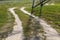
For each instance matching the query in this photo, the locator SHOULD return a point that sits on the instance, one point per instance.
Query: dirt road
(17, 27)
(50, 33)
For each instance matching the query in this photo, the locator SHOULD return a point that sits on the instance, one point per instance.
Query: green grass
(7, 19)
(4, 12)
(51, 14)
(24, 18)
(27, 29)
(3, 16)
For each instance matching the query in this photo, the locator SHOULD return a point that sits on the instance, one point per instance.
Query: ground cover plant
(51, 14)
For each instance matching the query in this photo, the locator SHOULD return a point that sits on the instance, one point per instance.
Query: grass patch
(4, 9)
(51, 14)
(6, 18)
(24, 18)
(6, 21)
(4, 13)
(28, 29)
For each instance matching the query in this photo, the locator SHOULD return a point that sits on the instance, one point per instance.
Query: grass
(3, 16)
(4, 13)
(7, 19)
(24, 18)
(51, 14)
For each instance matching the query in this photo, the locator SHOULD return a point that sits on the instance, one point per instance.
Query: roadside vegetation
(7, 19)
(33, 27)
(28, 29)
(5, 15)
(51, 14)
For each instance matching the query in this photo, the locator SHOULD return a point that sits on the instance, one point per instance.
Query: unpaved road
(50, 33)
(17, 28)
